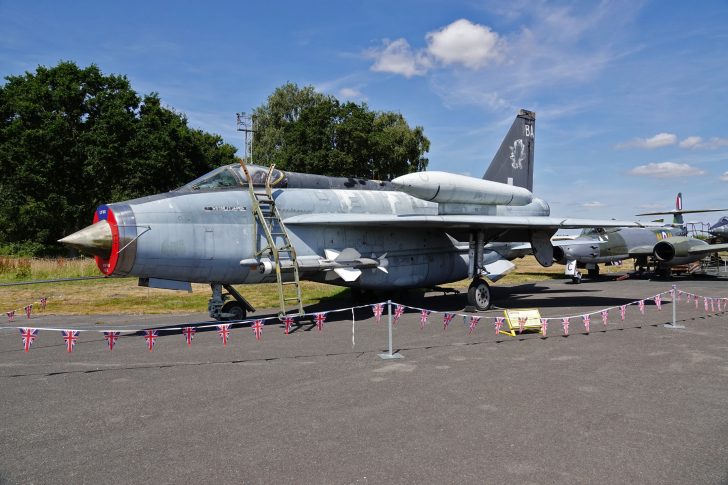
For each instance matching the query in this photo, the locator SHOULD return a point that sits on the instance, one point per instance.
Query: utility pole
(246, 124)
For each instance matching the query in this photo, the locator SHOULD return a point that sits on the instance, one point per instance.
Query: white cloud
(397, 57)
(657, 141)
(695, 142)
(350, 93)
(592, 205)
(724, 177)
(466, 43)
(666, 170)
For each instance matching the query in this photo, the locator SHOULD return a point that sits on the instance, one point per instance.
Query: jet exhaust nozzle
(93, 240)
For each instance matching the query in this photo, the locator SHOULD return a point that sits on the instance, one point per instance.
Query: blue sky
(629, 95)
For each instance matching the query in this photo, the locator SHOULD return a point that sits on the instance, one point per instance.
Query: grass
(124, 296)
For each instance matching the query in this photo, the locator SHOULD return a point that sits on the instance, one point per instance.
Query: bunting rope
(70, 336)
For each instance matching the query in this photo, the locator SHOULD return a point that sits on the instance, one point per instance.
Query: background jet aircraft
(247, 224)
(719, 230)
(661, 247)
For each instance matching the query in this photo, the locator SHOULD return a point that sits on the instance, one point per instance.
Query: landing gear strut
(478, 291)
(222, 309)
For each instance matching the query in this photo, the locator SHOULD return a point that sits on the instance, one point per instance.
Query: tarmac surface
(634, 402)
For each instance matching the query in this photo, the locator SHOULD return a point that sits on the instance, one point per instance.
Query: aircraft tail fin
(677, 213)
(513, 162)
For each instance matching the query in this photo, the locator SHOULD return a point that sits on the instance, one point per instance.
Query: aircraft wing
(500, 228)
(710, 248)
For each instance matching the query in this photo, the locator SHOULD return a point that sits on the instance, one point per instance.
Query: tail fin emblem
(518, 153)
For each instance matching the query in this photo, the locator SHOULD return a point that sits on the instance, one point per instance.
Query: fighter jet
(660, 247)
(719, 230)
(249, 224)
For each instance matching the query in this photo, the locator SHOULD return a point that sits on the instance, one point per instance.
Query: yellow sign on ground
(529, 319)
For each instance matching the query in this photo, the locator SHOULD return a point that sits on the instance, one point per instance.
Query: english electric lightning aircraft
(248, 224)
(661, 247)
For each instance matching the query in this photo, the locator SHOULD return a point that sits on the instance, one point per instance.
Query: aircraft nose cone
(94, 240)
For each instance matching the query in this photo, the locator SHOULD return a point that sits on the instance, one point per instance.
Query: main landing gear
(221, 308)
(479, 294)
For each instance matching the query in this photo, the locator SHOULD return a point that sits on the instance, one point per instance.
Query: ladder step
(292, 299)
(289, 283)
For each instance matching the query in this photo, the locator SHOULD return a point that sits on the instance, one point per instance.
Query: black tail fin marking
(513, 162)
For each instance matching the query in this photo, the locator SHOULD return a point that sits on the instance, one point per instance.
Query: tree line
(72, 138)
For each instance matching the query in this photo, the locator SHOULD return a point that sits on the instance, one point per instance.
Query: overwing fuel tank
(443, 187)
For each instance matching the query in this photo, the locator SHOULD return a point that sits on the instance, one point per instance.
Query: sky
(628, 95)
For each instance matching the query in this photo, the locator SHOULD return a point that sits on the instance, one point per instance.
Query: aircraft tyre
(479, 294)
(593, 272)
(234, 311)
(576, 279)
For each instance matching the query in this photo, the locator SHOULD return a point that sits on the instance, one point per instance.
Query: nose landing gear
(222, 309)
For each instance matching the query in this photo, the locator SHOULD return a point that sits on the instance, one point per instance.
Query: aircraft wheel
(234, 311)
(576, 279)
(593, 272)
(479, 294)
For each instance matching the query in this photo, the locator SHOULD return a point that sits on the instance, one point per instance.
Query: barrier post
(390, 355)
(673, 304)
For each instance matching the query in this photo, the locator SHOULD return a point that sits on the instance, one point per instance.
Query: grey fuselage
(202, 236)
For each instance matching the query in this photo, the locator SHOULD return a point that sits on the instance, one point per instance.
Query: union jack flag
(423, 318)
(29, 335)
(565, 325)
(28, 309)
(446, 319)
(690, 298)
(223, 330)
(43, 302)
(658, 302)
(679, 294)
(696, 301)
(622, 311)
(521, 323)
(587, 321)
(498, 324)
(70, 336)
(11, 315)
(378, 309)
(705, 301)
(544, 326)
(398, 311)
(151, 337)
(111, 337)
(473, 323)
(189, 332)
(712, 304)
(258, 329)
(288, 321)
(605, 317)
(320, 318)
(641, 305)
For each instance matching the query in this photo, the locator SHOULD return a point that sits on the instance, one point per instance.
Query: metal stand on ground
(673, 304)
(390, 355)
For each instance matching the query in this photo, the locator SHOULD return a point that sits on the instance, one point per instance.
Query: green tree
(302, 130)
(72, 138)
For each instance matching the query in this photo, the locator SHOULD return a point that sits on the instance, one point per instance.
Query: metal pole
(673, 304)
(390, 355)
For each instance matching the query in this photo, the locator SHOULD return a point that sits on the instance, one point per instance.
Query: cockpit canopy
(233, 177)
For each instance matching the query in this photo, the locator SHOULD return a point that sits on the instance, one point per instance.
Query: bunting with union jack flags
(498, 324)
(696, 301)
(223, 330)
(587, 322)
(544, 326)
(378, 309)
(258, 329)
(712, 304)
(189, 332)
(43, 302)
(565, 325)
(605, 317)
(111, 338)
(446, 319)
(473, 323)
(423, 318)
(151, 337)
(28, 335)
(641, 305)
(521, 323)
(705, 301)
(70, 336)
(398, 311)
(320, 319)
(28, 309)
(11, 315)
(622, 311)
(287, 322)
(658, 302)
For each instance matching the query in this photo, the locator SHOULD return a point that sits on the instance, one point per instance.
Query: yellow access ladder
(283, 256)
